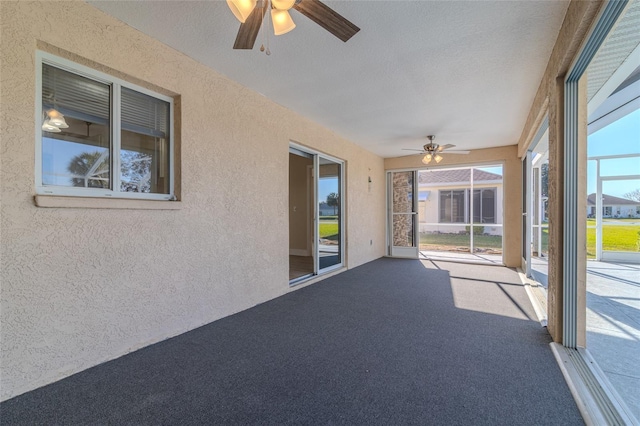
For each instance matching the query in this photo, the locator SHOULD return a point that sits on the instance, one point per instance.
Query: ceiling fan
(251, 14)
(432, 150)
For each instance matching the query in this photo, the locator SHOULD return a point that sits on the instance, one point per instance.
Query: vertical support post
(471, 248)
(555, 290)
(570, 267)
(540, 212)
(528, 193)
(598, 212)
(581, 215)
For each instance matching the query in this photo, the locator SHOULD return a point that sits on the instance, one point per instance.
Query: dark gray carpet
(380, 344)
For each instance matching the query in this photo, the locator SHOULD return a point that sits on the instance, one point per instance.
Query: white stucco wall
(81, 286)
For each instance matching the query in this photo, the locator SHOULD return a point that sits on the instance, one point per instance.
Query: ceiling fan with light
(432, 151)
(251, 14)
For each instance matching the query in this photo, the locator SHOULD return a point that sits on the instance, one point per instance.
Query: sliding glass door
(329, 213)
(316, 237)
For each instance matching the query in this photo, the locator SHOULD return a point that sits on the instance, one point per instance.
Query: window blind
(89, 100)
(75, 96)
(144, 114)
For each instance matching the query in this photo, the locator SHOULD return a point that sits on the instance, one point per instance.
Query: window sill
(56, 201)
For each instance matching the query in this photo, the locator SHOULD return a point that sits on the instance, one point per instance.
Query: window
(607, 211)
(454, 203)
(484, 205)
(100, 136)
(452, 206)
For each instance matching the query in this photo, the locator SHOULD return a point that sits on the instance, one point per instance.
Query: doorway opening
(461, 213)
(301, 195)
(316, 237)
(535, 205)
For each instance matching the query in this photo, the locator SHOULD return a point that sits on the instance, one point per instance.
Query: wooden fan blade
(327, 18)
(418, 150)
(248, 31)
(447, 146)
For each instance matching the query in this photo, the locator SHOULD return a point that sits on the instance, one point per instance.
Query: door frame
(527, 204)
(299, 149)
(341, 210)
(403, 252)
(528, 196)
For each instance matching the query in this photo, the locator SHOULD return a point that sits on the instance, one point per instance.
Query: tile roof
(610, 200)
(455, 175)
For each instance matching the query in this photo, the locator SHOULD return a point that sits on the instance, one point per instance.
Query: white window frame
(465, 207)
(114, 151)
(493, 189)
(468, 214)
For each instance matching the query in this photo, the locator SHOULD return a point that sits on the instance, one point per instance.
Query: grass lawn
(329, 231)
(461, 240)
(545, 241)
(614, 237)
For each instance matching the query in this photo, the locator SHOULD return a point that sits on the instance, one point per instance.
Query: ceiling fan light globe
(283, 4)
(426, 159)
(241, 8)
(438, 158)
(282, 22)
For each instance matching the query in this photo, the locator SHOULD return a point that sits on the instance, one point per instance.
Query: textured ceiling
(466, 71)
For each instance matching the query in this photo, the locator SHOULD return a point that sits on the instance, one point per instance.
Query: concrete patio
(613, 323)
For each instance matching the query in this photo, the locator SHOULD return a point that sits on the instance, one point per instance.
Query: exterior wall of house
(325, 210)
(429, 210)
(616, 211)
(624, 211)
(84, 285)
(512, 177)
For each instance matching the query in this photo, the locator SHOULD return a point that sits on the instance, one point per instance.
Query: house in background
(325, 210)
(445, 204)
(613, 207)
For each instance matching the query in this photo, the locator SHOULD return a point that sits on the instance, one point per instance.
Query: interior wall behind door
(300, 216)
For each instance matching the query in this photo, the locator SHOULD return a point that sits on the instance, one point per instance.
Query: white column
(598, 212)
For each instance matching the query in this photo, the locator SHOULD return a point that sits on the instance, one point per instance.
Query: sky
(56, 155)
(326, 186)
(620, 137)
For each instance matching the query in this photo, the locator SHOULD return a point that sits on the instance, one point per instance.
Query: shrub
(477, 230)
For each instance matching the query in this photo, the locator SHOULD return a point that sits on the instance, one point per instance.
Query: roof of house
(610, 200)
(456, 175)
